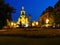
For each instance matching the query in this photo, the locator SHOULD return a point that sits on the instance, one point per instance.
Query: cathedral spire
(22, 7)
(22, 11)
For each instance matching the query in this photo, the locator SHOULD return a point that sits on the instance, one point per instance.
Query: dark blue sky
(33, 7)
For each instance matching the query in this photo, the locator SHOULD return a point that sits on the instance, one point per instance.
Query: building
(51, 16)
(57, 6)
(23, 20)
(57, 12)
(46, 19)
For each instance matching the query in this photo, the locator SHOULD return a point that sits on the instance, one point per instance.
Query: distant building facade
(51, 15)
(46, 19)
(57, 12)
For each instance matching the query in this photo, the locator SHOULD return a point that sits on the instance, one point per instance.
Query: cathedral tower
(22, 20)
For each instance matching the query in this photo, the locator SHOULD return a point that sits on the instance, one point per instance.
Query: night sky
(33, 7)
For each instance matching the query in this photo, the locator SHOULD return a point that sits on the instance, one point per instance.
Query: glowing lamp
(47, 21)
(36, 23)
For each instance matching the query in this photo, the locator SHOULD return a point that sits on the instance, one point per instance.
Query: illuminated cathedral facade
(23, 19)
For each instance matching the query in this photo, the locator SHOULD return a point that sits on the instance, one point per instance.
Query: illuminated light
(47, 25)
(47, 21)
(12, 23)
(54, 26)
(17, 25)
(23, 22)
(33, 24)
(36, 23)
(26, 25)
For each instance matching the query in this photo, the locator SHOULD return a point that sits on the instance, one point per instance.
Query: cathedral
(23, 20)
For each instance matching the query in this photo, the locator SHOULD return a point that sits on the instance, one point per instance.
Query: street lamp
(47, 21)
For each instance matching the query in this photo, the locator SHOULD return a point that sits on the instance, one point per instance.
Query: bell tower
(22, 11)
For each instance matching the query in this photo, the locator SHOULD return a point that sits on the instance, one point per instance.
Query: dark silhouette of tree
(5, 13)
(1, 1)
(8, 10)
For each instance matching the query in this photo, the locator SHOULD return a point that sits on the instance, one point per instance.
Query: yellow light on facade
(23, 19)
(12, 23)
(17, 25)
(33, 24)
(18, 22)
(23, 22)
(47, 21)
(26, 21)
(36, 23)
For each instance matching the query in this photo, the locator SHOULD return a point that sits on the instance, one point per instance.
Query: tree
(5, 13)
(8, 10)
